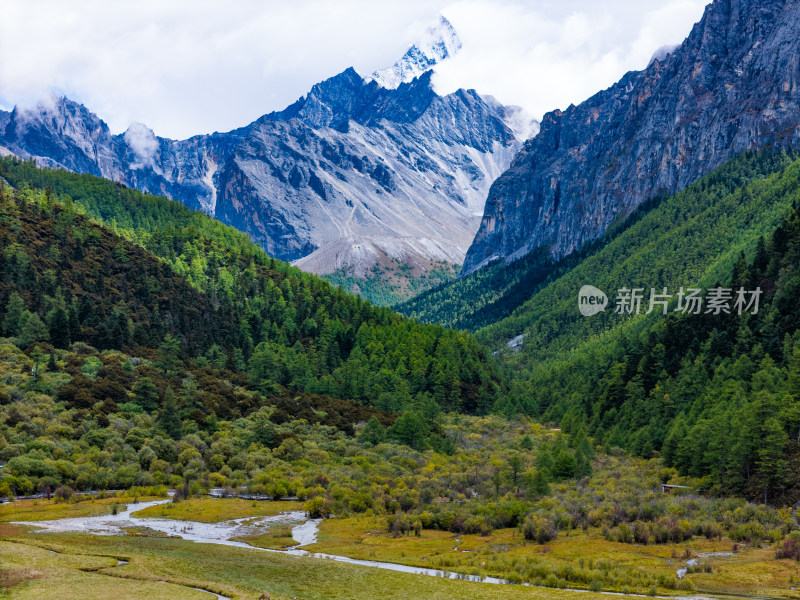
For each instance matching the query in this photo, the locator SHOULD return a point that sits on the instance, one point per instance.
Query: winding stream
(304, 532)
(694, 561)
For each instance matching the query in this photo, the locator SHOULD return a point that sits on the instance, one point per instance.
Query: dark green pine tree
(770, 462)
(564, 465)
(263, 429)
(409, 429)
(34, 330)
(118, 329)
(373, 432)
(12, 322)
(58, 326)
(539, 484)
(544, 461)
(583, 451)
(168, 418)
(515, 468)
(169, 354)
(145, 394)
(217, 356)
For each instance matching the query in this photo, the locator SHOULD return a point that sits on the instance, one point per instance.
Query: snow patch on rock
(437, 44)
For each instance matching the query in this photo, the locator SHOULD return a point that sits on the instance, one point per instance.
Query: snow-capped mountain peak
(437, 44)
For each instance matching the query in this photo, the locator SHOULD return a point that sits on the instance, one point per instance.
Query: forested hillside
(258, 315)
(693, 237)
(166, 351)
(491, 294)
(715, 395)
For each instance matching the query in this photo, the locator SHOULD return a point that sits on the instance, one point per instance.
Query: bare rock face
(355, 166)
(61, 133)
(733, 85)
(64, 134)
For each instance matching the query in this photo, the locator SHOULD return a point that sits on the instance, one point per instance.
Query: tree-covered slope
(203, 369)
(277, 324)
(491, 294)
(715, 395)
(693, 237)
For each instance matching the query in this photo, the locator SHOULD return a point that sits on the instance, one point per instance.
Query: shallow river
(304, 532)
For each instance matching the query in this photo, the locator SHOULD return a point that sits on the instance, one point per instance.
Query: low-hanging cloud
(142, 141)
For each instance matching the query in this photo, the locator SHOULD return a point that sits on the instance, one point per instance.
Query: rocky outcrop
(733, 85)
(64, 134)
(61, 133)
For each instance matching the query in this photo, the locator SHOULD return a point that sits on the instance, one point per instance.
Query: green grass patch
(234, 572)
(48, 510)
(214, 510)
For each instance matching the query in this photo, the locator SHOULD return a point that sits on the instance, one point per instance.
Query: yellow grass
(85, 567)
(214, 510)
(752, 571)
(234, 572)
(45, 510)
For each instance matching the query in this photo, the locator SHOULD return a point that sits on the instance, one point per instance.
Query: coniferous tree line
(660, 386)
(217, 295)
(715, 395)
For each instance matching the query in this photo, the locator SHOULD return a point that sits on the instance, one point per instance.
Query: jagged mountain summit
(359, 172)
(439, 43)
(732, 85)
(354, 176)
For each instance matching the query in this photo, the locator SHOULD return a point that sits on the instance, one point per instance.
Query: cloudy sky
(187, 67)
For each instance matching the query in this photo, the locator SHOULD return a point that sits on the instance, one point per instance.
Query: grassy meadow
(214, 510)
(83, 567)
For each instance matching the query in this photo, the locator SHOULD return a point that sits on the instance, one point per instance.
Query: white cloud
(546, 55)
(193, 67)
(142, 140)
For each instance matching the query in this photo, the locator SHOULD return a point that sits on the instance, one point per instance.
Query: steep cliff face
(731, 86)
(5, 117)
(359, 173)
(184, 170)
(64, 134)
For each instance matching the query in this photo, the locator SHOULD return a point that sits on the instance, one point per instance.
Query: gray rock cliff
(733, 85)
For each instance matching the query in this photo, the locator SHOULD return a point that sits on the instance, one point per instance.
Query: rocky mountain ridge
(731, 86)
(351, 175)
